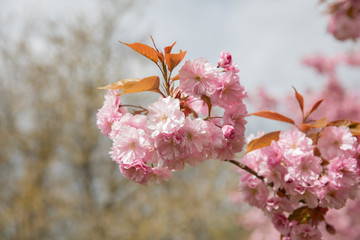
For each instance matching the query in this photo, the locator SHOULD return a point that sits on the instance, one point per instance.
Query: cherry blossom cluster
(340, 103)
(300, 177)
(181, 127)
(344, 221)
(344, 22)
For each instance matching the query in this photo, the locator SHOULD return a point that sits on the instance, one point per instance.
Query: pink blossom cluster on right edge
(340, 103)
(344, 22)
(180, 128)
(302, 175)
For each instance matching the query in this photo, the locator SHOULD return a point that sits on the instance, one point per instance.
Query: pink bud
(225, 60)
(229, 132)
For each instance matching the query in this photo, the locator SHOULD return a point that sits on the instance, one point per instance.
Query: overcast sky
(267, 38)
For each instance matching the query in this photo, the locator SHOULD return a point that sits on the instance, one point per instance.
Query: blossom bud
(229, 132)
(225, 60)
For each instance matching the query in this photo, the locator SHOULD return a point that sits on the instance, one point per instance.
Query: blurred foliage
(57, 180)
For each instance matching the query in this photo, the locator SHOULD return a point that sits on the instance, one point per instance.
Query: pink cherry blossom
(254, 192)
(333, 196)
(294, 144)
(198, 105)
(170, 148)
(344, 171)
(230, 148)
(225, 60)
(165, 116)
(336, 141)
(196, 136)
(109, 112)
(305, 232)
(136, 121)
(279, 205)
(321, 63)
(306, 169)
(136, 171)
(131, 145)
(281, 223)
(160, 174)
(343, 27)
(198, 77)
(216, 138)
(235, 116)
(229, 132)
(229, 90)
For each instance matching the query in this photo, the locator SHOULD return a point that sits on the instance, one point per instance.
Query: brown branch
(246, 168)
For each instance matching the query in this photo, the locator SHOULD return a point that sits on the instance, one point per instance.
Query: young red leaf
(314, 107)
(300, 99)
(144, 50)
(273, 115)
(145, 84)
(169, 48)
(353, 126)
(339, 123)
(263, 141)
(175, 78)
(122, 84)
(172, 60)
(317, 124)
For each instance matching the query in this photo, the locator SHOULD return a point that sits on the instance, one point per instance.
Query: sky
(267, 38)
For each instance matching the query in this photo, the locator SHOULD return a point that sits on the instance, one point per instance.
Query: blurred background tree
(57, 180)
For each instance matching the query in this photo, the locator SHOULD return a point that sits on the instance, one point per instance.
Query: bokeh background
(57, 180)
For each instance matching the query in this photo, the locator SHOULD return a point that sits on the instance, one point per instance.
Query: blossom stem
(244, 167)
(249, 170)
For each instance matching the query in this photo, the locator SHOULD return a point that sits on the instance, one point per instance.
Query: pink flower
(322, 64)
(281, 223)
(165, 116)
(198, 77)
(136, 121)
(305, 232)
(310, 194)
(231, 147)
(336, 142)
(306, 169)
(170, 148)
(333, 196)
(198, 105)
(278, 205)
(229, 91)
(131, 145)
(136, 171)
(254, 192)
(216, 138)
(109, 112)
(343, 171)
(294, 144)
(196, 137)
(229, 132)
(343, 27)
(225, 60)
(234, 115)
(161, 174)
